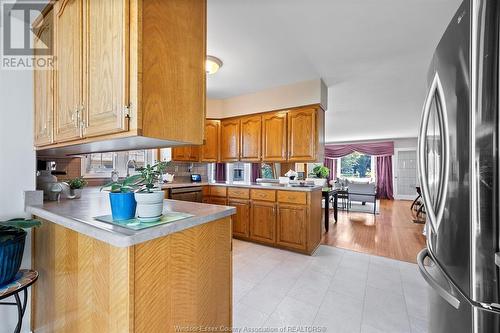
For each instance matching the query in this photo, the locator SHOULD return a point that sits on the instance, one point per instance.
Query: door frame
(395, 176)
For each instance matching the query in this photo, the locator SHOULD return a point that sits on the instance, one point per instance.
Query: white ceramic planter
(75, 193)
(149, 205)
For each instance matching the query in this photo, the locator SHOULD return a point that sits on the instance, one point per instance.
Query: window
(100, 165)
(356, 165)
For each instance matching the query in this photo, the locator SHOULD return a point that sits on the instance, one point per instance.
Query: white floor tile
(342, 290)
(262, 299)
(385, 310)
(292, 312)
(245, 316)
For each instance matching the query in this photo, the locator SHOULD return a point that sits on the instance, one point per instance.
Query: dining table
(329, 192)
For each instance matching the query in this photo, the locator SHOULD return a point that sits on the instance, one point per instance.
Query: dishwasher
(193, 194)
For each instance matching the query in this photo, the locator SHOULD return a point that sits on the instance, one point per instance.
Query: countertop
(269, 187)
(247, 185)
(78, 215)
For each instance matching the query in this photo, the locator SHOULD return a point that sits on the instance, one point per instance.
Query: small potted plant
(321, 171)
(12, 238)
(76, 186)
(121, 197)
(149, 198)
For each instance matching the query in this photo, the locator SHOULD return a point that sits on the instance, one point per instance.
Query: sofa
(362, 191)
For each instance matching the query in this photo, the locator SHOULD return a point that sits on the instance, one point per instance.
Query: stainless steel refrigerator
(459, 170)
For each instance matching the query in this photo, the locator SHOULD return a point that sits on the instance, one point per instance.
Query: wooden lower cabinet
(291, 228)
(179, 280)
(218, 201)
(241, 221)
(263, 221)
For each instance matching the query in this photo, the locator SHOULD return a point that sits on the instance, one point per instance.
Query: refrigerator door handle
(446, 295)
(435, 216)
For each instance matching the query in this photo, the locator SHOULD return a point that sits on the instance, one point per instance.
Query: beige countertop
(276, 186)
(78, 215)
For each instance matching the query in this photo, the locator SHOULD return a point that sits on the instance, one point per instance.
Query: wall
(301, 93)
(17, 163)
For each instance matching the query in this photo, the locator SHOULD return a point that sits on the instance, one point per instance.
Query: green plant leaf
(22, 223)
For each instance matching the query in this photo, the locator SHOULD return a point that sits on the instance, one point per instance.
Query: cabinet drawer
(265, 195)
(292, 197)
(239, 193)
(218, 191)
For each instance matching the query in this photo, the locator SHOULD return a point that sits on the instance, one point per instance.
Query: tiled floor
(340, 290)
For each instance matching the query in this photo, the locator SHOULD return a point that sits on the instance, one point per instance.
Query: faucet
(134, 165)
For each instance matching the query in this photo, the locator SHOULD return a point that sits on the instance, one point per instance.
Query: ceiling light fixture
(212, 64)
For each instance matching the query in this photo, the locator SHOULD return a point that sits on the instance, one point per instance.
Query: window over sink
(100, 165)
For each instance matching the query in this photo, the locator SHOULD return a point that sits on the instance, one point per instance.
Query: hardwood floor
(392, 233)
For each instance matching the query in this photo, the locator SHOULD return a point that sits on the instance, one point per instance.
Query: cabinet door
(210, 150)
(43, 85)
(180, 153)
(291, 226)
(68, 69)
(218, 201)
(302, 135)
(274, 137)
(251, 136)
(230, 140)
(241, 221)
(107, 53)
(193, 153)
(263, 222)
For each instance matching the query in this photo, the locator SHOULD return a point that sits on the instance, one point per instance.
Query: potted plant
(76, 186)
(149, 198)
(121, 197)
(12, 238)
(321, 171)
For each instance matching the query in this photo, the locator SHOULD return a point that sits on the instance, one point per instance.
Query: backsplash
(183, 171)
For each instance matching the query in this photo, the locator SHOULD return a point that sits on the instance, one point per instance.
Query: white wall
(17, 163)
(297, 94)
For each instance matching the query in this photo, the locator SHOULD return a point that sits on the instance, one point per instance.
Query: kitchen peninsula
(99, 277)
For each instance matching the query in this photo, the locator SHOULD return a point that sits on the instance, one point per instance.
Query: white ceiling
(372, 54)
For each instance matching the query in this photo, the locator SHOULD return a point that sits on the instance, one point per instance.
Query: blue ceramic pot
(122, 206)
(11, 253)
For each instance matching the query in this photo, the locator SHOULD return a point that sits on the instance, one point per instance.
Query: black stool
(24, 278)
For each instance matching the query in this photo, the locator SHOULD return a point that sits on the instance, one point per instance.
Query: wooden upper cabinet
(107, 66)
(210, 149)
(274, 137)
(186, 154)
(127, 74)
(68, 70)
(43, 83)
(302, 135)
(230, 140)
(251, 138)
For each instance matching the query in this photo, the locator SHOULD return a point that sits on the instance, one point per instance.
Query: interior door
(106, 36)
(405, 176)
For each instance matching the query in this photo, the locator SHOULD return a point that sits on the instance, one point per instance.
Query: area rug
(358, 207)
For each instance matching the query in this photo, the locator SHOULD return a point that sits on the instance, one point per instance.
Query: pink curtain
(255, 172)
(384, 177)
(220, 172)
(331, 164)
(371, 148)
